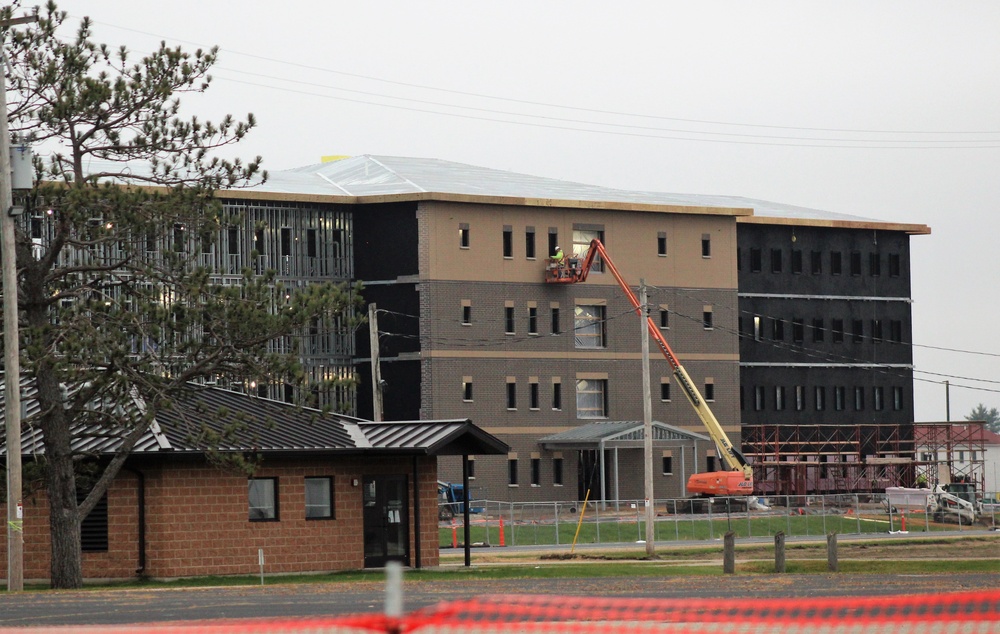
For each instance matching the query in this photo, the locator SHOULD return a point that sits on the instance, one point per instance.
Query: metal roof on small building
(616, 432)
(238, 422)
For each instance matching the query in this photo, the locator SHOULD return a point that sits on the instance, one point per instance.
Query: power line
(596, 111)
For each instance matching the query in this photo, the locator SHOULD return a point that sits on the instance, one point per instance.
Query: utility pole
(947, 402)
(647, 424)
(11, 333)
(376, 365)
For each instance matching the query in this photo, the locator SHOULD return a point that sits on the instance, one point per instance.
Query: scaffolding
(823, 459)
(950, 452)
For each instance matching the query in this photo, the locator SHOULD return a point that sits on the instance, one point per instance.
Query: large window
(319, 498)
(263, 499)
(590, 327)
(583, 235)
(591, 401)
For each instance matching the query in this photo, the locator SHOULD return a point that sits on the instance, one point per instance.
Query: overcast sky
(887, 110)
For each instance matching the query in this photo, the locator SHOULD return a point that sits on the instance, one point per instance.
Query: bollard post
(729, 553)
(831, 553)
(454, 536)
(779, 551)
(393, 589)
(501, 532)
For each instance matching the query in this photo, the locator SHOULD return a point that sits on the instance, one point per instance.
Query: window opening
(464, 238)
(508, 242)
(590, 398)
(263, 499)
(319, 498)
(590, 326)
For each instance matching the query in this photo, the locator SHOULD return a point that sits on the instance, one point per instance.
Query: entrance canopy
(619, 434)
(615, 435)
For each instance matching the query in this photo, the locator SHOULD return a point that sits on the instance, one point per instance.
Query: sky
(886, 110)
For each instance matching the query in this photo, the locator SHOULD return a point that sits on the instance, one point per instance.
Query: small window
(839, 398)
(710, 464)
(553, 240)
(590, 326)
(511, 395)
(533, 395)
(874, 264)
(664, 317)
(796, 261)
(706, 318)
(878, 397)
(472, 467)
(858, 334)
(706, 245)
(508, 242)
(709, 391)
(532, 320)
(816, 262)
(661, 244)
(779, 397)
(233, 241)
(895, 265)
(263, 499)
(529, 243)
(667, 465)
(512, 472)
(776, 260)
(590, 398)
(820, 398)
(755, 260)
(464, 239)
(319, 498)
(286, 241)
(556, 327)
(895, 331)
(311, 243)
(798, 330)
(557, 396)
(466, 315)
(665, 391)
(536, 471)
(758, 398)
(897, 398)
(855, 263)
(859, 398)
(180, 239)
(800, 398)
(508, 320)
(557, 471)
(778, 329)
(837, 330)
(836, 263)
(876, 331)
(467, 390)
(818, 330)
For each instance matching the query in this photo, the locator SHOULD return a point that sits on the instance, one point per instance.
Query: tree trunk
(64, 519)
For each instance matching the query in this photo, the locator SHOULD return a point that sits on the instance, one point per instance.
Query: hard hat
(558, 248)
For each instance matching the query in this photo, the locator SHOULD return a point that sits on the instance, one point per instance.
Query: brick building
(330, 493)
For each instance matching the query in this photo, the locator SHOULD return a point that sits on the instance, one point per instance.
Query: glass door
(386, 520)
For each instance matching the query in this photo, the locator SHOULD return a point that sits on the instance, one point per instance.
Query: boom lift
(738, 481)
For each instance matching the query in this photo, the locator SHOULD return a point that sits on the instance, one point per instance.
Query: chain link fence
(494, 523)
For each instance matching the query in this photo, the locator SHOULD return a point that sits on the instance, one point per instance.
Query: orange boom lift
(737, 481)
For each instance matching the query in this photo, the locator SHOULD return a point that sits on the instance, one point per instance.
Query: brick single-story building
(330, 493)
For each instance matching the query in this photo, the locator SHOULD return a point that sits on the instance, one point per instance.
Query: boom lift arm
(740, 479)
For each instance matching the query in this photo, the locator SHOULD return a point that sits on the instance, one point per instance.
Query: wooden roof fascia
(912, 229)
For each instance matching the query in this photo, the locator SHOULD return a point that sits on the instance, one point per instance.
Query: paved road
(90, 607)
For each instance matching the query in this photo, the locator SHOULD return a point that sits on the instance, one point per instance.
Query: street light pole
(11, 333)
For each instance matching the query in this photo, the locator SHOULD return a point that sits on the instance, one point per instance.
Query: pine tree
(114, 307)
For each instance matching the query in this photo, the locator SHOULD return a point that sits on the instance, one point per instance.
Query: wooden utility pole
(376, 366)
(11, 333)
(647, 425)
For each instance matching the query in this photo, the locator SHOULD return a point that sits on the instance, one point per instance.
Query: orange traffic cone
(501, 531)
